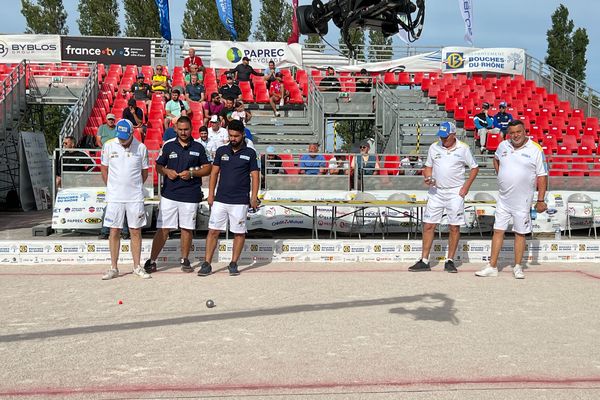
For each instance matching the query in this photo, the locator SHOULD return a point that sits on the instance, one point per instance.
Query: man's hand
(254, 203)
(463, 191)
(541, 206)
(185, 175)
(211, 199)
(171, 174)
(428, 180)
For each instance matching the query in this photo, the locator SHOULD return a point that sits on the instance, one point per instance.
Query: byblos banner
(469, 59)
(36, 48)
(106, 50)
(229, 54)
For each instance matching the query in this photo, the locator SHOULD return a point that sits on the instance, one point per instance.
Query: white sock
(449, 259)
(153, 261)
(425, 260)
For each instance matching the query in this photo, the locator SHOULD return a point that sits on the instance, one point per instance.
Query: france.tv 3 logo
(454, 60)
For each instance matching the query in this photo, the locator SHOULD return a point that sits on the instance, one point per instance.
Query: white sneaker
(110, 274)
(488, 270)
(518, 272)
(139, 271)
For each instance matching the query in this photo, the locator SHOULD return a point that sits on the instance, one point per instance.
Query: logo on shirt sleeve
(173, 155)
(194, 153)
(224, 157)
(247, 158)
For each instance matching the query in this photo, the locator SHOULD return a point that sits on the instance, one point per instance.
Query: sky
(506, 23)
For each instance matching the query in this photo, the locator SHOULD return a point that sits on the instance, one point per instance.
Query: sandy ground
(300, 331)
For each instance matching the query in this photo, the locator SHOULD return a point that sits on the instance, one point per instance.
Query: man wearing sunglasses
(444, 173)
(160, 82)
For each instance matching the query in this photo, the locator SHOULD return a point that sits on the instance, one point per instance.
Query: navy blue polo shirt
(234, 179)
(176, 157)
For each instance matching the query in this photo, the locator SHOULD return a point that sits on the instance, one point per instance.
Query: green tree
(98, 18)
(274, 21)
(356, 38)
(45, 17)
(559, 53)
(141, 19)
(579, 48)
(380, 47)
(354, 131)
(315, 42)
(201, 20)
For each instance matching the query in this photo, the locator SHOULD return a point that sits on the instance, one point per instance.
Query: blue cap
(270, 149)
(446, 129)
(124, 129)
(503, 104)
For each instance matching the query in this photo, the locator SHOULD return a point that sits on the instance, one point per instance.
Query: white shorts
(444, 200)
(236, 214)
(176, 214)
(521, 219)
(115, 215)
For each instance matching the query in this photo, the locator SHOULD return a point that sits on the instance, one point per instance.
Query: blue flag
(226, 14)
(163, 13)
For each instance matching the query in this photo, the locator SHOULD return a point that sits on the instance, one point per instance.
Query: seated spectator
(312, 163)
(338, 165)
(141, 90)
(193, 71)
(212, 107)
(363, 81)
(194, 90)
(502, 119)
(240, 113)
(226, 113)
(106, 131)
(277, 93)
(269, 73)
(217, 135)
(243, 71)
(366, 164)
(411, 165)
(71, 160)
(330, 83)
(484, 124)
(192, 60)
(169, 134)
(135, 114)
(175, 108)
(230, 89)
(160, 82)
(275, 166)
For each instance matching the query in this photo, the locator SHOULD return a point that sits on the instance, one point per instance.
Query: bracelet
(541, 201)
(191, 172)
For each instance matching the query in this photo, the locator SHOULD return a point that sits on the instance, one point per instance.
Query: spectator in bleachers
(277, 92)
(366, 164)
(212, 107)
(502, 119)
(244, 70)
(412, 164)
(203, 139)
(338, 165)
(193, 71)
(71, 160)
(484, 124)
(217, 135)
(135, 115)
(175, 108)
(192, 60)
(313, 163)
(363, 81)
(230, 89)
(182, 162)
(169, 134)
(330, 83)
(160, 82)
(195, 90)
(275, 164)
(269, 73)
(226, 113)
(141, 90)
(241, 114)
(106, 131)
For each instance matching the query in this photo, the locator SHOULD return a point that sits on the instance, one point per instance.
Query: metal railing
(316, 110)
(82, 110)
(12, 97)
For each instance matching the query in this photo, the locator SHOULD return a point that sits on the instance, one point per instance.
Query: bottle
(533, 213)
(557, 233)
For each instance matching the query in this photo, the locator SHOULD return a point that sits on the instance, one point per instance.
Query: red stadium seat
(492, 142)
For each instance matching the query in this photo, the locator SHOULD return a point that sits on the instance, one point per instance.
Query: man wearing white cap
(124, 170)
(521, 168)
(444, 172)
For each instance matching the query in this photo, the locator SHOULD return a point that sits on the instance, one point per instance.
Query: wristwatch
(541, 201)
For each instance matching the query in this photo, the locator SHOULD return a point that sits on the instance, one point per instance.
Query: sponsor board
(34, 48)
(470, 59)
(107, 50)
(229, 54)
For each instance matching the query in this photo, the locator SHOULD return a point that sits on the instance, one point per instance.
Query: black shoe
(450, 267)
(233, 269)
(205, 269)
(420, 266)
(186, 266)
(125, 236)
(103, 236)
(150, 266)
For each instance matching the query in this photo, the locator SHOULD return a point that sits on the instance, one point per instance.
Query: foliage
(47, 17)
(579, 62)
(380, 47)
(98, 18)
(274, 21)
(354, 131)
(141, 18)
(357, 39)
(201, 20)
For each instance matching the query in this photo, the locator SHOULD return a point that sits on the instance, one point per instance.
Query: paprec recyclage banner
(229, 54)
(36, 48)
(469, 59)
(106, 50)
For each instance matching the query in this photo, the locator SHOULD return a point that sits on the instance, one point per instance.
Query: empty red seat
(391, 164)
(550, 141)
(492, 142)
(589, 141)
(570, 142)
(389, 78)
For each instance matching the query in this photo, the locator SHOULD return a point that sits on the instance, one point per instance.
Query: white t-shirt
(220, 137)
(411, 167)
(125, 167)
(449, 164)
(518, 172)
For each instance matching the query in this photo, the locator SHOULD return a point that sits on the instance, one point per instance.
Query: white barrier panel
(95, 252)
(34, 48)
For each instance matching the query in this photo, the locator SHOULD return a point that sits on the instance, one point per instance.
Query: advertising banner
(36, 48)
(106, 50)
(225, 9)
(469, 59)
(426, 62)
(230, 54)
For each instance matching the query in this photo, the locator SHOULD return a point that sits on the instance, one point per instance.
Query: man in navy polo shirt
(183, 162)
(235, 167)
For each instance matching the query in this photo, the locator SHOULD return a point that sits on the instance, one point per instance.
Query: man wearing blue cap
(444, 173)
(124, 170)
(502, 118)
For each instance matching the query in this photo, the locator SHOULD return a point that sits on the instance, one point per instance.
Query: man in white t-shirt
(521, 167)
(444, 172)
(124, 171)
